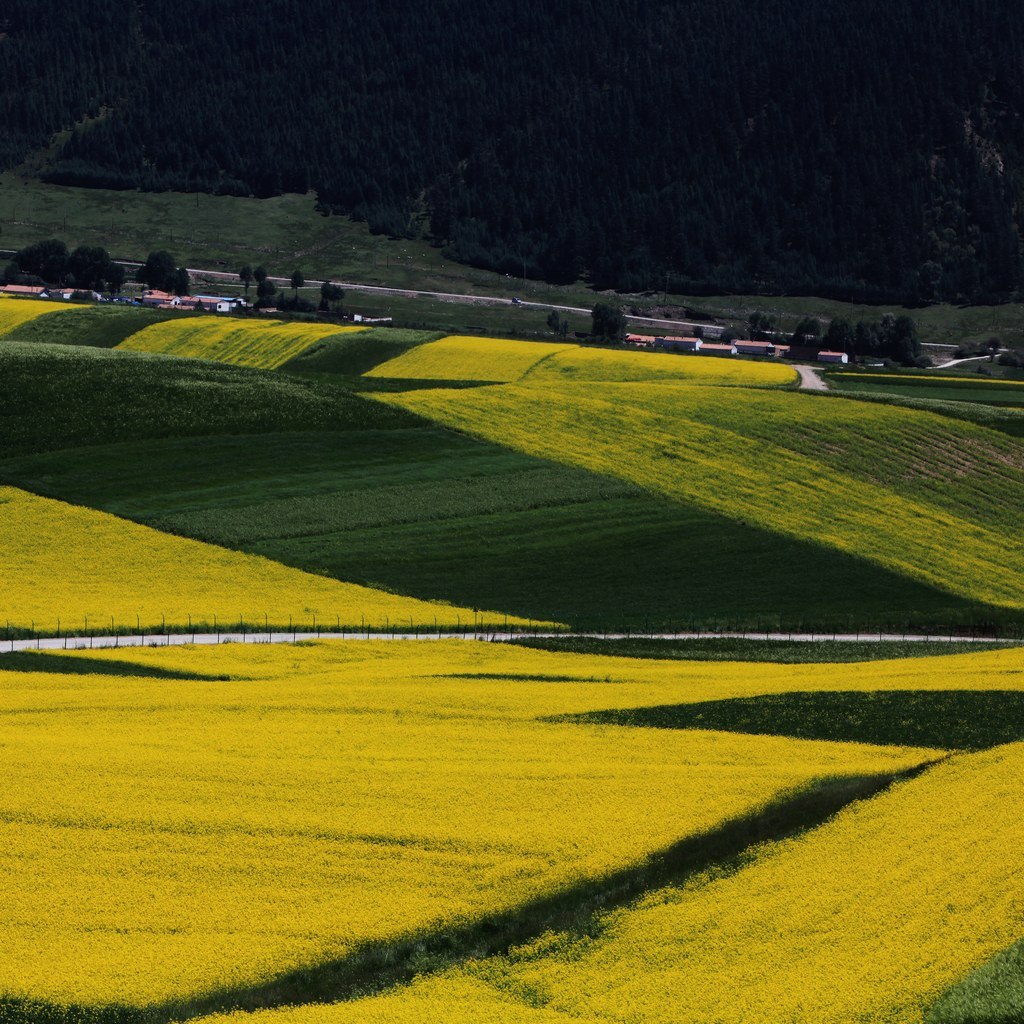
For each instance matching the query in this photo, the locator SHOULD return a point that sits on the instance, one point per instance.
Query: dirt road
(810, 379)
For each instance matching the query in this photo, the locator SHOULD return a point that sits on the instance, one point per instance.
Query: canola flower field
(70, 568)
(278, 808)
(870, 917)
(368, 831)
(503, 360)
(264, 344)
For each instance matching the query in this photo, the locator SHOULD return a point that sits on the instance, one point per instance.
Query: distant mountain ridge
(863, 149)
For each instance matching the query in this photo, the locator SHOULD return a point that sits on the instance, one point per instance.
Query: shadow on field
(376, 966)
(948, 719)
(73, 665)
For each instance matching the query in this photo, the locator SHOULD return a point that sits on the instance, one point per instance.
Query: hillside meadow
(297, 468)
(781, 462)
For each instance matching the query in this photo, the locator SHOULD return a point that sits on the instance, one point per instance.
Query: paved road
(810, 379)
(77, 643)
(710, 330)
(967, 359)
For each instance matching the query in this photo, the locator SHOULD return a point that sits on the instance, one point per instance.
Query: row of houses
(698, 346)
(27, 291)
(156, 299)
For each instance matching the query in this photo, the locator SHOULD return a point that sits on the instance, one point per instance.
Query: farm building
(760, 348)
(156, 298)
(717, 349)
(674, 344)
(641, 340)
(24, 291)
(832, 357)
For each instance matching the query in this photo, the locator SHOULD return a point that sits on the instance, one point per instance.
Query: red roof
(23, 289)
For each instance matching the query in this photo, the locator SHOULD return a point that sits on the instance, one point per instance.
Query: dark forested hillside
(870, 149)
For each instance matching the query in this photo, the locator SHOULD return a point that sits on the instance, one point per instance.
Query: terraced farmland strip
(208, 836)
(968, 470)
(655, 436)
(498, 360)
(262, 344)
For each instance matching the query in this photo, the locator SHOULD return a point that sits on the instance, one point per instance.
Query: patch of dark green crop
(753, 650)
(993, 994)
(353, 353)
(54, 397)
(69, 664)
(95, 326)
(947, 719)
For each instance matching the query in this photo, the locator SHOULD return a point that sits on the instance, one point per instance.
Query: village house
(158, 299)
(760, 348)
(717, 349)
(677, 344)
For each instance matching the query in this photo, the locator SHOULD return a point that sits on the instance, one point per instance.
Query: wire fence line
(68, 642)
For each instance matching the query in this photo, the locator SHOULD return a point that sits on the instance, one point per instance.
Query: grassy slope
(993, 994)
(286, 232)
(94, 326)
(352, 354)
(54, 397)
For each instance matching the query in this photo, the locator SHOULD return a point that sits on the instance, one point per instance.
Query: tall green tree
(160, 271)
(608, 321)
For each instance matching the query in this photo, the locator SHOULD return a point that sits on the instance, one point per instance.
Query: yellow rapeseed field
(467, 358)
(799, 465)
(501, 360)
(14, 312)
(85, 568)
(551, 683)
(601, 364)
(165, 837)
(868, 918)
(264, 344)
